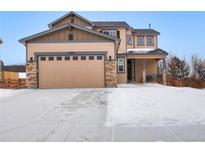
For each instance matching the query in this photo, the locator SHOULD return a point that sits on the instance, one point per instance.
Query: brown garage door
(71, 71)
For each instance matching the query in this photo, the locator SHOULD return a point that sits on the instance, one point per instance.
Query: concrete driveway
(76, 115)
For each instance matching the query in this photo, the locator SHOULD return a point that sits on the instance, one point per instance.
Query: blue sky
(182, 33)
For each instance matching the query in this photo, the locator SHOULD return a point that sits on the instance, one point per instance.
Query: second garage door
(77, 71)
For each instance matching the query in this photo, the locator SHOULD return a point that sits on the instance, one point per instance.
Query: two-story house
(75, 52)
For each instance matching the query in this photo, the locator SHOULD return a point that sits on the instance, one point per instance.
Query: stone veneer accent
(110, 73)
(31, 73)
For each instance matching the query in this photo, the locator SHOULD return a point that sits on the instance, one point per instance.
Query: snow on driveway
(108, 114)
(54, 115)
(155, 105)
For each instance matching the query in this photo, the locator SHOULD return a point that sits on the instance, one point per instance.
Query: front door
(131, 69)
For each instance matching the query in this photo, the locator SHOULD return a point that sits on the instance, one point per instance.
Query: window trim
(75, 58)
(89, 58)
(67, 58)
(72, 20)
(43, 58)
(69, 36)
(129, 36)
(57, 58)
(121, 64)
(83, 58)
(99, 57)
(109, 31)
(139, 44)
(50, 58)
(152, 41)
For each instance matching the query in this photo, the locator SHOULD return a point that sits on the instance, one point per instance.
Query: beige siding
(70, 47)
(123, 41)
(150, 67)
(67, 20)
(62, 35)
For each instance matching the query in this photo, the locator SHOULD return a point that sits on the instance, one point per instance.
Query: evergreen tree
(178, 69)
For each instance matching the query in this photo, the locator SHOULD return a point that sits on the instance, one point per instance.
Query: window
(91, 57)
(67, 58)
(99, 57)
(43, 58)
(111, 33)
(70, 37)
(50, 58)
(72, 20)
(150, 40)
(83, 57)
(59, 58)
(121, 64)
(129, 39)
(75, 57)
(140, 40)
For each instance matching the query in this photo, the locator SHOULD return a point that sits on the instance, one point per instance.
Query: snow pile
(140, 50)
(156, 105)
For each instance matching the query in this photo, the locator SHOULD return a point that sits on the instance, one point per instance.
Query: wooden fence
(13, 83)
(183, 83)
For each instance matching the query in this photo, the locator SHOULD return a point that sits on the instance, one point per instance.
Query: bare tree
(198, 67)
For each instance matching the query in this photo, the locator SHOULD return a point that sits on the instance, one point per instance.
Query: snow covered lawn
(149, 112)
(9, 92)
(155, 105)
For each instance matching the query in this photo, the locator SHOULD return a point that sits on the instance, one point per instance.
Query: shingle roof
(110, 23)
(157, 51)
(146, 31)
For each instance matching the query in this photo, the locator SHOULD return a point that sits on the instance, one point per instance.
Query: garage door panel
(71, 73)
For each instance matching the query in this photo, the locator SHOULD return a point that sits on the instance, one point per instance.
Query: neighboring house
(76, 53)
(13, 72)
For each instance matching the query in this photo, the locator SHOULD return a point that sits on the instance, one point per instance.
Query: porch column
(164, 80)
(143, 71)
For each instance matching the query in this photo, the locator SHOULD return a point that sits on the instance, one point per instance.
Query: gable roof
(23, 40)
(66, 15)
(110, 23)
(146, 31)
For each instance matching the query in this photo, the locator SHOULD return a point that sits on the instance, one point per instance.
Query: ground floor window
(121, 64)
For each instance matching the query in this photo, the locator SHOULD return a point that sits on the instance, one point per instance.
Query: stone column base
(31, 75)
(110, 73)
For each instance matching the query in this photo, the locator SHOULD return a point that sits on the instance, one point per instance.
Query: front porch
(143, 68)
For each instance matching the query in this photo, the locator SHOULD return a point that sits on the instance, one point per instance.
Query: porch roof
(145, 53)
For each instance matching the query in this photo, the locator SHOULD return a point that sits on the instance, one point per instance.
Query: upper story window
(113, 33)
(140, 40)
(70, 37)
(129, 39)
(150, 40)
(72, 20)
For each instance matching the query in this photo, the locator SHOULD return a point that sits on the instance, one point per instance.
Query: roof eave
(69, 13)
(23, 40)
